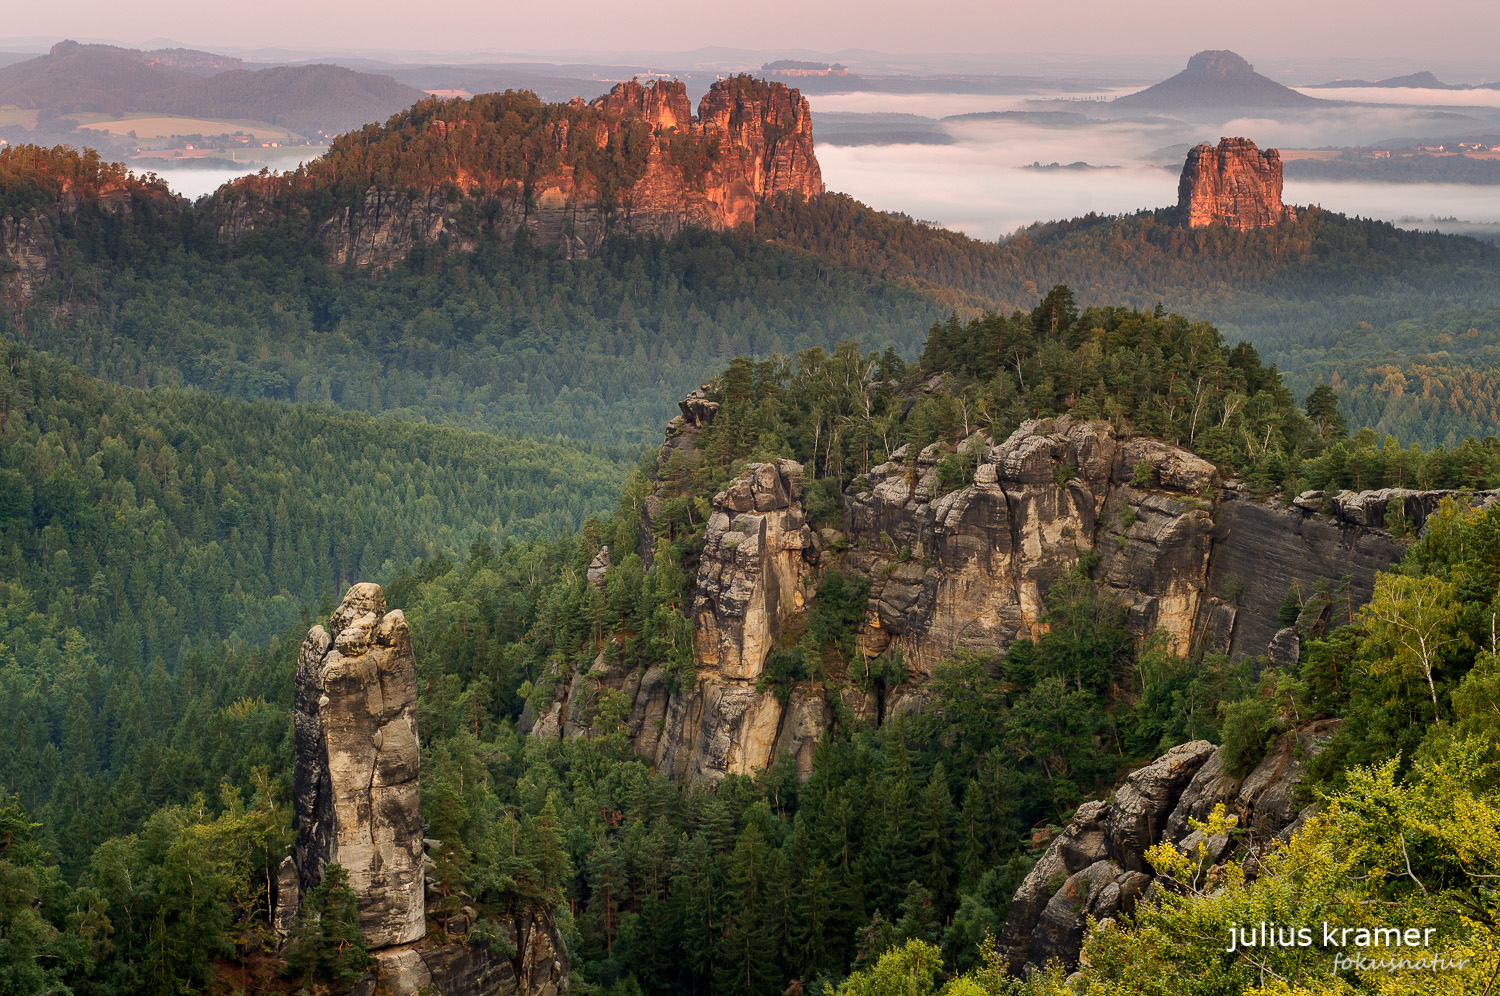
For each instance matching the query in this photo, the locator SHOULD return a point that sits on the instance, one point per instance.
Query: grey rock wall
(1261, 550)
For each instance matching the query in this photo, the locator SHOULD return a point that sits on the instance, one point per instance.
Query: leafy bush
(783, 669)
(1247, 733)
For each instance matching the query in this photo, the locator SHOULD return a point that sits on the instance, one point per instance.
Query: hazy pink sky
(1463, 29)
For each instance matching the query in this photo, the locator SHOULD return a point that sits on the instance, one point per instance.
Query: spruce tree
(326, 943)
(746, 949)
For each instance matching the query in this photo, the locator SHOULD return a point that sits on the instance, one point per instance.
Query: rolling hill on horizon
(77, 79)
(1423, 80)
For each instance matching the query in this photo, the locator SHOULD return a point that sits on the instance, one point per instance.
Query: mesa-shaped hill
(76, 79)
(1213, 80)
(73, 78)
(569, 175)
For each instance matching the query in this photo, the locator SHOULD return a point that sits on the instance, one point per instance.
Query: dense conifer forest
(148, 762)
(512, 338)
(200, 448)
(1274, 287)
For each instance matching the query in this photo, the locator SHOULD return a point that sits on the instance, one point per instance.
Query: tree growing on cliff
(1410, 623)
(326, 943)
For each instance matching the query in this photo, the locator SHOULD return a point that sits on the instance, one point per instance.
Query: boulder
(1285, 648)
(1141, 807)
(598, 567)
(697, 409)
(1059, 930)
(539, 967)
(1084, 843)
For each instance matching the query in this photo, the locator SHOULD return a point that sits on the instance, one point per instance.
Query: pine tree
(697, 908)
(326, 943)
(935, 835)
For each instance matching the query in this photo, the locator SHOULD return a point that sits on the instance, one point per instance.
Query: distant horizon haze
(1445, 35)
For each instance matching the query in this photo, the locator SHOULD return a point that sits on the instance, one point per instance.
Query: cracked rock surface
(356, 795)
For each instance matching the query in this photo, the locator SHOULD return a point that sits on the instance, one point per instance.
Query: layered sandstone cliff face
(1234, 184)
(751, 140)
(31, 245)
(1049, 494)
(355, 783)
(1187, 553)
(1097, 866)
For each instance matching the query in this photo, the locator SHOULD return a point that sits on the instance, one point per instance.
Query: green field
(152, 126)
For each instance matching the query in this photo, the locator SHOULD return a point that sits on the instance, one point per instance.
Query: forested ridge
(511, 337)
(1425, 380)
(508, 338)
(151, 796)
(1274, 286)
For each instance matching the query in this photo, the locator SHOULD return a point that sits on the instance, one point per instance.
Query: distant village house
(791, 67)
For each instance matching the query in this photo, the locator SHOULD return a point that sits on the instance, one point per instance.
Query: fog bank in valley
(978, 184)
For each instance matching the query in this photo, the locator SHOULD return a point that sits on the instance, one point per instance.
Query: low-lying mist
(965, 188)
(977, 183)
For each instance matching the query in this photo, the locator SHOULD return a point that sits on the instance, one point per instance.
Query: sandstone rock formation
(599, 567)
(1402, 508)
(1234, 184)
(676, 457)
(968, 568)
(355, 786)
(750, 578)
(751, 140)
(750, 570)
(1097, 868)
(980, 559)
(356, 802)
(538, 968)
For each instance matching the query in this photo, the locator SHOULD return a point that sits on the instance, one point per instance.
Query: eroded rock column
(355, 778)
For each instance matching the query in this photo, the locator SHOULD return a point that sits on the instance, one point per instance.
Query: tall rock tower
(356, 799)
(1234, 183)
